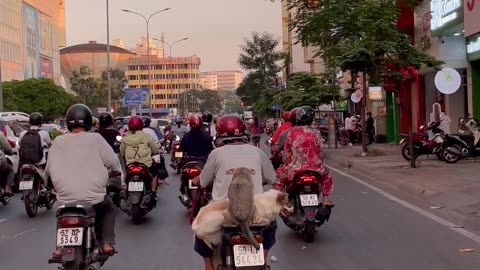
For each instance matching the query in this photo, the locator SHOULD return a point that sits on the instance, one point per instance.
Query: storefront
(472, 34)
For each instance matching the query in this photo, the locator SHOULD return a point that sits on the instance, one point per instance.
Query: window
(143, 77)
(143, 67)
(158, 67)
(132, 77)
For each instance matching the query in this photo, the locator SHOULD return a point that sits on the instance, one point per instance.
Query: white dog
(208, 224)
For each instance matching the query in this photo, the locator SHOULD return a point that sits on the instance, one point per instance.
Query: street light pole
(109, 86)
(1, 90)
(147, 21)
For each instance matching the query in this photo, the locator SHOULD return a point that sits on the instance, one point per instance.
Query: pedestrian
(350, 126)
(370, 128)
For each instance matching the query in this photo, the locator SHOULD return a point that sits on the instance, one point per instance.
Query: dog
(209, 221)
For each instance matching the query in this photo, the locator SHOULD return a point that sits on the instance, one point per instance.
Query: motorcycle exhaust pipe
(43, 193)
(94, 266)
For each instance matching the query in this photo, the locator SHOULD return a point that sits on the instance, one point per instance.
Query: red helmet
(230, 126)
(286, 116)
(135, 123)
(293, 115)
(195, 121)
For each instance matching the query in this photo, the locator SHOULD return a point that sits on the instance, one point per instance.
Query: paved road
(366, 231)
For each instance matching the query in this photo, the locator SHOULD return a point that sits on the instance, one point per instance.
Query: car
(50, 127)
(160, 123)
(12, 129)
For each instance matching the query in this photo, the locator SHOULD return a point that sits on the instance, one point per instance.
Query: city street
(366, 231)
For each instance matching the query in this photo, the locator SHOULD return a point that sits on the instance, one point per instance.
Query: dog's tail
(249, 235)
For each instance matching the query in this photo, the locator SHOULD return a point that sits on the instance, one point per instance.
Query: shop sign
(473, 48)
(448, 81)
(375, 92)
(472, 17)
(445, 15)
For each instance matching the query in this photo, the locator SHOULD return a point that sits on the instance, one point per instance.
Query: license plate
(25, 185)
(69, 237)
(402, 141)
(190, 185)
(248, 255)
(178, 154)
(135, 186)
(309, 200)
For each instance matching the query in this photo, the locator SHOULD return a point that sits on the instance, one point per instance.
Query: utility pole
(1, 90)
(109, 86)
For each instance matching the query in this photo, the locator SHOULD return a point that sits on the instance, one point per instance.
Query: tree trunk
(363, 113)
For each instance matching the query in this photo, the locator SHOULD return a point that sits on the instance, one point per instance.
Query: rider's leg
(201, 248)
(105, 223)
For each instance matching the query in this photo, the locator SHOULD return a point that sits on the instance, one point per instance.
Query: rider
(234, 154)
(6, 169)
(94, 124)
(27, 147)
(180, 130)
(147, 121)
(78, 164)
(160, 169)
(137, 146)
(147, 129)
(280, 143)
(106, 129)
(208, 127)
(302, 152)
(286, 125)
(256, 131)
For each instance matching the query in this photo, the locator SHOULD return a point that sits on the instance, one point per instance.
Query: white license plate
(309, 200)
(191, 186)
(25, 185)
(135, 186)
(69, 237)
(248, 255)
(178, 154)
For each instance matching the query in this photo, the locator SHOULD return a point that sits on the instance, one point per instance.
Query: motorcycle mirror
(422, 127)
(119, 138)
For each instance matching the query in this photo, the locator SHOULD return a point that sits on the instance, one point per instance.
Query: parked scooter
(422, 144)
(460, 146)
(36, 192)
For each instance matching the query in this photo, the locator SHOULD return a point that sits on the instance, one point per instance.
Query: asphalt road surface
(366, 231)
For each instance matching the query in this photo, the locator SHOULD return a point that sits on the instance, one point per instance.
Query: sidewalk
(455, 188)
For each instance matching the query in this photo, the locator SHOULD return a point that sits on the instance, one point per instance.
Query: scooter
(36, 192)
(460, 146)
(422, 145)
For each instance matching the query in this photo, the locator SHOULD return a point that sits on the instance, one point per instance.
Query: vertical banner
(30, 42)
(45, 35)
(46, 68)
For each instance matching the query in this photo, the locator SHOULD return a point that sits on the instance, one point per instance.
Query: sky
(215, 28)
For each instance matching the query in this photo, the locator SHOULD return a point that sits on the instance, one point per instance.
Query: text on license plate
(69, 237)
(191, 186)
(309, 200)
(135, 186)
(178, 154)
(248, 255)
(25, 185)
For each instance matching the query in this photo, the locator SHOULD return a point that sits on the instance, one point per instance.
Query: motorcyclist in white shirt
(35, 121)
(180, 130)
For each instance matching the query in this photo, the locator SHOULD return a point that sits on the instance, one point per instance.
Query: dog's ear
(253, 172)
(282, 198)
(231, 171)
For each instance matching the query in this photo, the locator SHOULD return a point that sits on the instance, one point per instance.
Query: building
(31, 33)
(119, 43)
(94, 56)
(209, 81)
(142, 46)
(226, 80)
(170, 78)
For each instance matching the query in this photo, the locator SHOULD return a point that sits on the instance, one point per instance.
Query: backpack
(31, 148)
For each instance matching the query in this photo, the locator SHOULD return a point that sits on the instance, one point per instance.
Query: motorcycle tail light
(135, 169)
(307, 179)
(176, 147)
(310, 213)
(241, 240)
(71, 221)
(27, 170)
(68, 251)
(192, 173)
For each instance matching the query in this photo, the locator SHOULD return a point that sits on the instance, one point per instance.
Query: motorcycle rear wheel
(406, 152)
(75, 266)
(450, 157)
(309, 232)
(31, 206)
(137, 214)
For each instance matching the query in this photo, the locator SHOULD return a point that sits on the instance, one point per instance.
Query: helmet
(305, 115)
(79, 115)
(293, 116)
(105, 119)
(250, 121)
(196, 121)
(230, 126)
(286, 116)
(207, 117)
(35, 119)
(135, 123)
(178, 120)
(146, 121)
(94, 120)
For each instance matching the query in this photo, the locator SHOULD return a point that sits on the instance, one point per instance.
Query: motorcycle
(422, 144)
(77, 238)
(237, 253)
(465, 145)
(308, 213)
(177, 155)
(3, 198)
(36, 192)
(190, 170)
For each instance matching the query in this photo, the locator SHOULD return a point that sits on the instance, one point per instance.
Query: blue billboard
(136, 96)
(31, 50)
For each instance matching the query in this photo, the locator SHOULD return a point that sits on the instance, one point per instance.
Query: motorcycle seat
(233, 228)
(77, 207)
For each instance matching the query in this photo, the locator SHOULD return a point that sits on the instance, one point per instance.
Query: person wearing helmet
(78, 164)
(235, 153)
(159, 171)
(278, 148)
(287, 124)
(256, 131)
(208, 127)
(105, 128)
(94, 124)
(6, 169)
(29, 144)
(302, 152)
(179, 129)
(138, 146)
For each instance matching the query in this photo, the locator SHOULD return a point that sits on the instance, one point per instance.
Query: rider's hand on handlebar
(196, 181)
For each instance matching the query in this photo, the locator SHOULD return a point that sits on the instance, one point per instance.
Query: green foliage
(37, 95)
(201, 101)
(82, 82)
(231, 102)
(54, 134)
(251, 89)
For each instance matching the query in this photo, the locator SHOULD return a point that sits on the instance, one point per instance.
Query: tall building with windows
(226, 80)
(209, 81)
(31, 33)
(170, 78)
(142, 47)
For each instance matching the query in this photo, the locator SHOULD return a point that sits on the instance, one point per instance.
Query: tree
(360, 37)
(82, 82)
(118, 82)
(37, 95)
(231, 102)
(201, 101)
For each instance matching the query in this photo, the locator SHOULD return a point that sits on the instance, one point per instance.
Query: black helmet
(105, 119)
(146, 121)
(207, 117)
(305, 115)
(35, 119)
(79, 115)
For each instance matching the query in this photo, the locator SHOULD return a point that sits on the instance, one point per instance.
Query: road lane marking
(16, 235)
(412, 207)
(2, 220)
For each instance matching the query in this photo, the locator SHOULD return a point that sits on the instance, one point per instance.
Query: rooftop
(92, 46)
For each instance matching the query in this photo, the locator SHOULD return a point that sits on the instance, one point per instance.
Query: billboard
(136, 96)
(45, 35)
(471, 19)
(31, 50)
(46, 68)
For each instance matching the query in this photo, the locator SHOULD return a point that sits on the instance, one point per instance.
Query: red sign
(46, 68)
(472, 17)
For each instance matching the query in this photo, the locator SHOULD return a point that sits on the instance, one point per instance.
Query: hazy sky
(216, 28)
